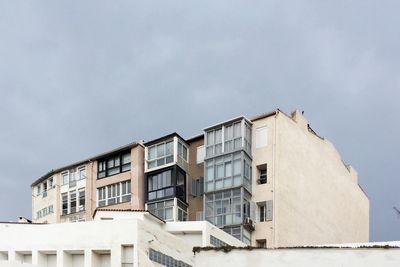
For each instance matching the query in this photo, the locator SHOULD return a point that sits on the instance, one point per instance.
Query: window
(45, 186)
(101, 197)
(65, 178)
(39, 189)
(225, 172)
(160, 185)
(182, 151)
(214, 142)
(216, 242)
(265, 211)
(262, 178)
(200, 154)
(111, 194)
(160, 154)
(81, 173)
(114, 165)
(64, 201)
(126, 191)
(163, 210)
(72, 196)
(197, 186)
(182, 211)
(261, 137)
(261, 243)
(262, 212)
(51, 209)
(165, 260)
(224, 208)
(81, 194)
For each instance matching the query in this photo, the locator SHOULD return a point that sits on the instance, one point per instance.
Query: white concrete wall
(102, 243)
(326, 257)
(317, 200)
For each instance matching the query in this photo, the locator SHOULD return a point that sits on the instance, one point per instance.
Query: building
(270, 181)
(73, 192)
(124, 238)
(303, 191)
(166, 177)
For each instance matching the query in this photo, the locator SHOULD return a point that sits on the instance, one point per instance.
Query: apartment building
(269, 181)
(72, 193)
(166, 177)
(60, 195)
(272, 181)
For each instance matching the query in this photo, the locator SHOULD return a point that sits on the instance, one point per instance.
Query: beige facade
(316, 197)
(135, 175)
(69, 194)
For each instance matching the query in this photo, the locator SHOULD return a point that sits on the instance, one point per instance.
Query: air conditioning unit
(248, 224)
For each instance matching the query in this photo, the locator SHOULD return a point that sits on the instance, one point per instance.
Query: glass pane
(210, 173)
(218, 184)
(210, 138)
(160, 162)
(168, 178)
(168, 214)
(236, 167)
(169, 191)
(152, 195)
(169, 148)
(227, 182)
(169, 159)
(160, 150)
(116, 161)
(220, 171)
(228, 132)
(237, 180)
(126, 167)
(152, 153)
(228, 169)
(110, 163)
(236, 131)
(184, 153)
(218, 136)
(210, 186)
(126, 158)
(218, 149)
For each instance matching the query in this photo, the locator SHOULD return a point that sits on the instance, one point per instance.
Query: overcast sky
(78, 78)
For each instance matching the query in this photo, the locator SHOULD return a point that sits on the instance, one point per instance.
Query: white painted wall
(101, 243)
(326, 257)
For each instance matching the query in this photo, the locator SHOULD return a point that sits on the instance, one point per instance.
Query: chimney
(298, 117)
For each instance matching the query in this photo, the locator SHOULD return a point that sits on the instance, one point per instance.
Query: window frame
(103, 169)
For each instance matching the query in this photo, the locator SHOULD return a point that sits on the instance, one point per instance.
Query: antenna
(397, 210)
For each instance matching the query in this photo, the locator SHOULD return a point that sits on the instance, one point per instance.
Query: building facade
(166, 177)
(269, 181)
(72, 193)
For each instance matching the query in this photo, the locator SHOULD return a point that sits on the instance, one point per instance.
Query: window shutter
(269, 210)
(194, 181)
(261, 137)
(201, 186)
